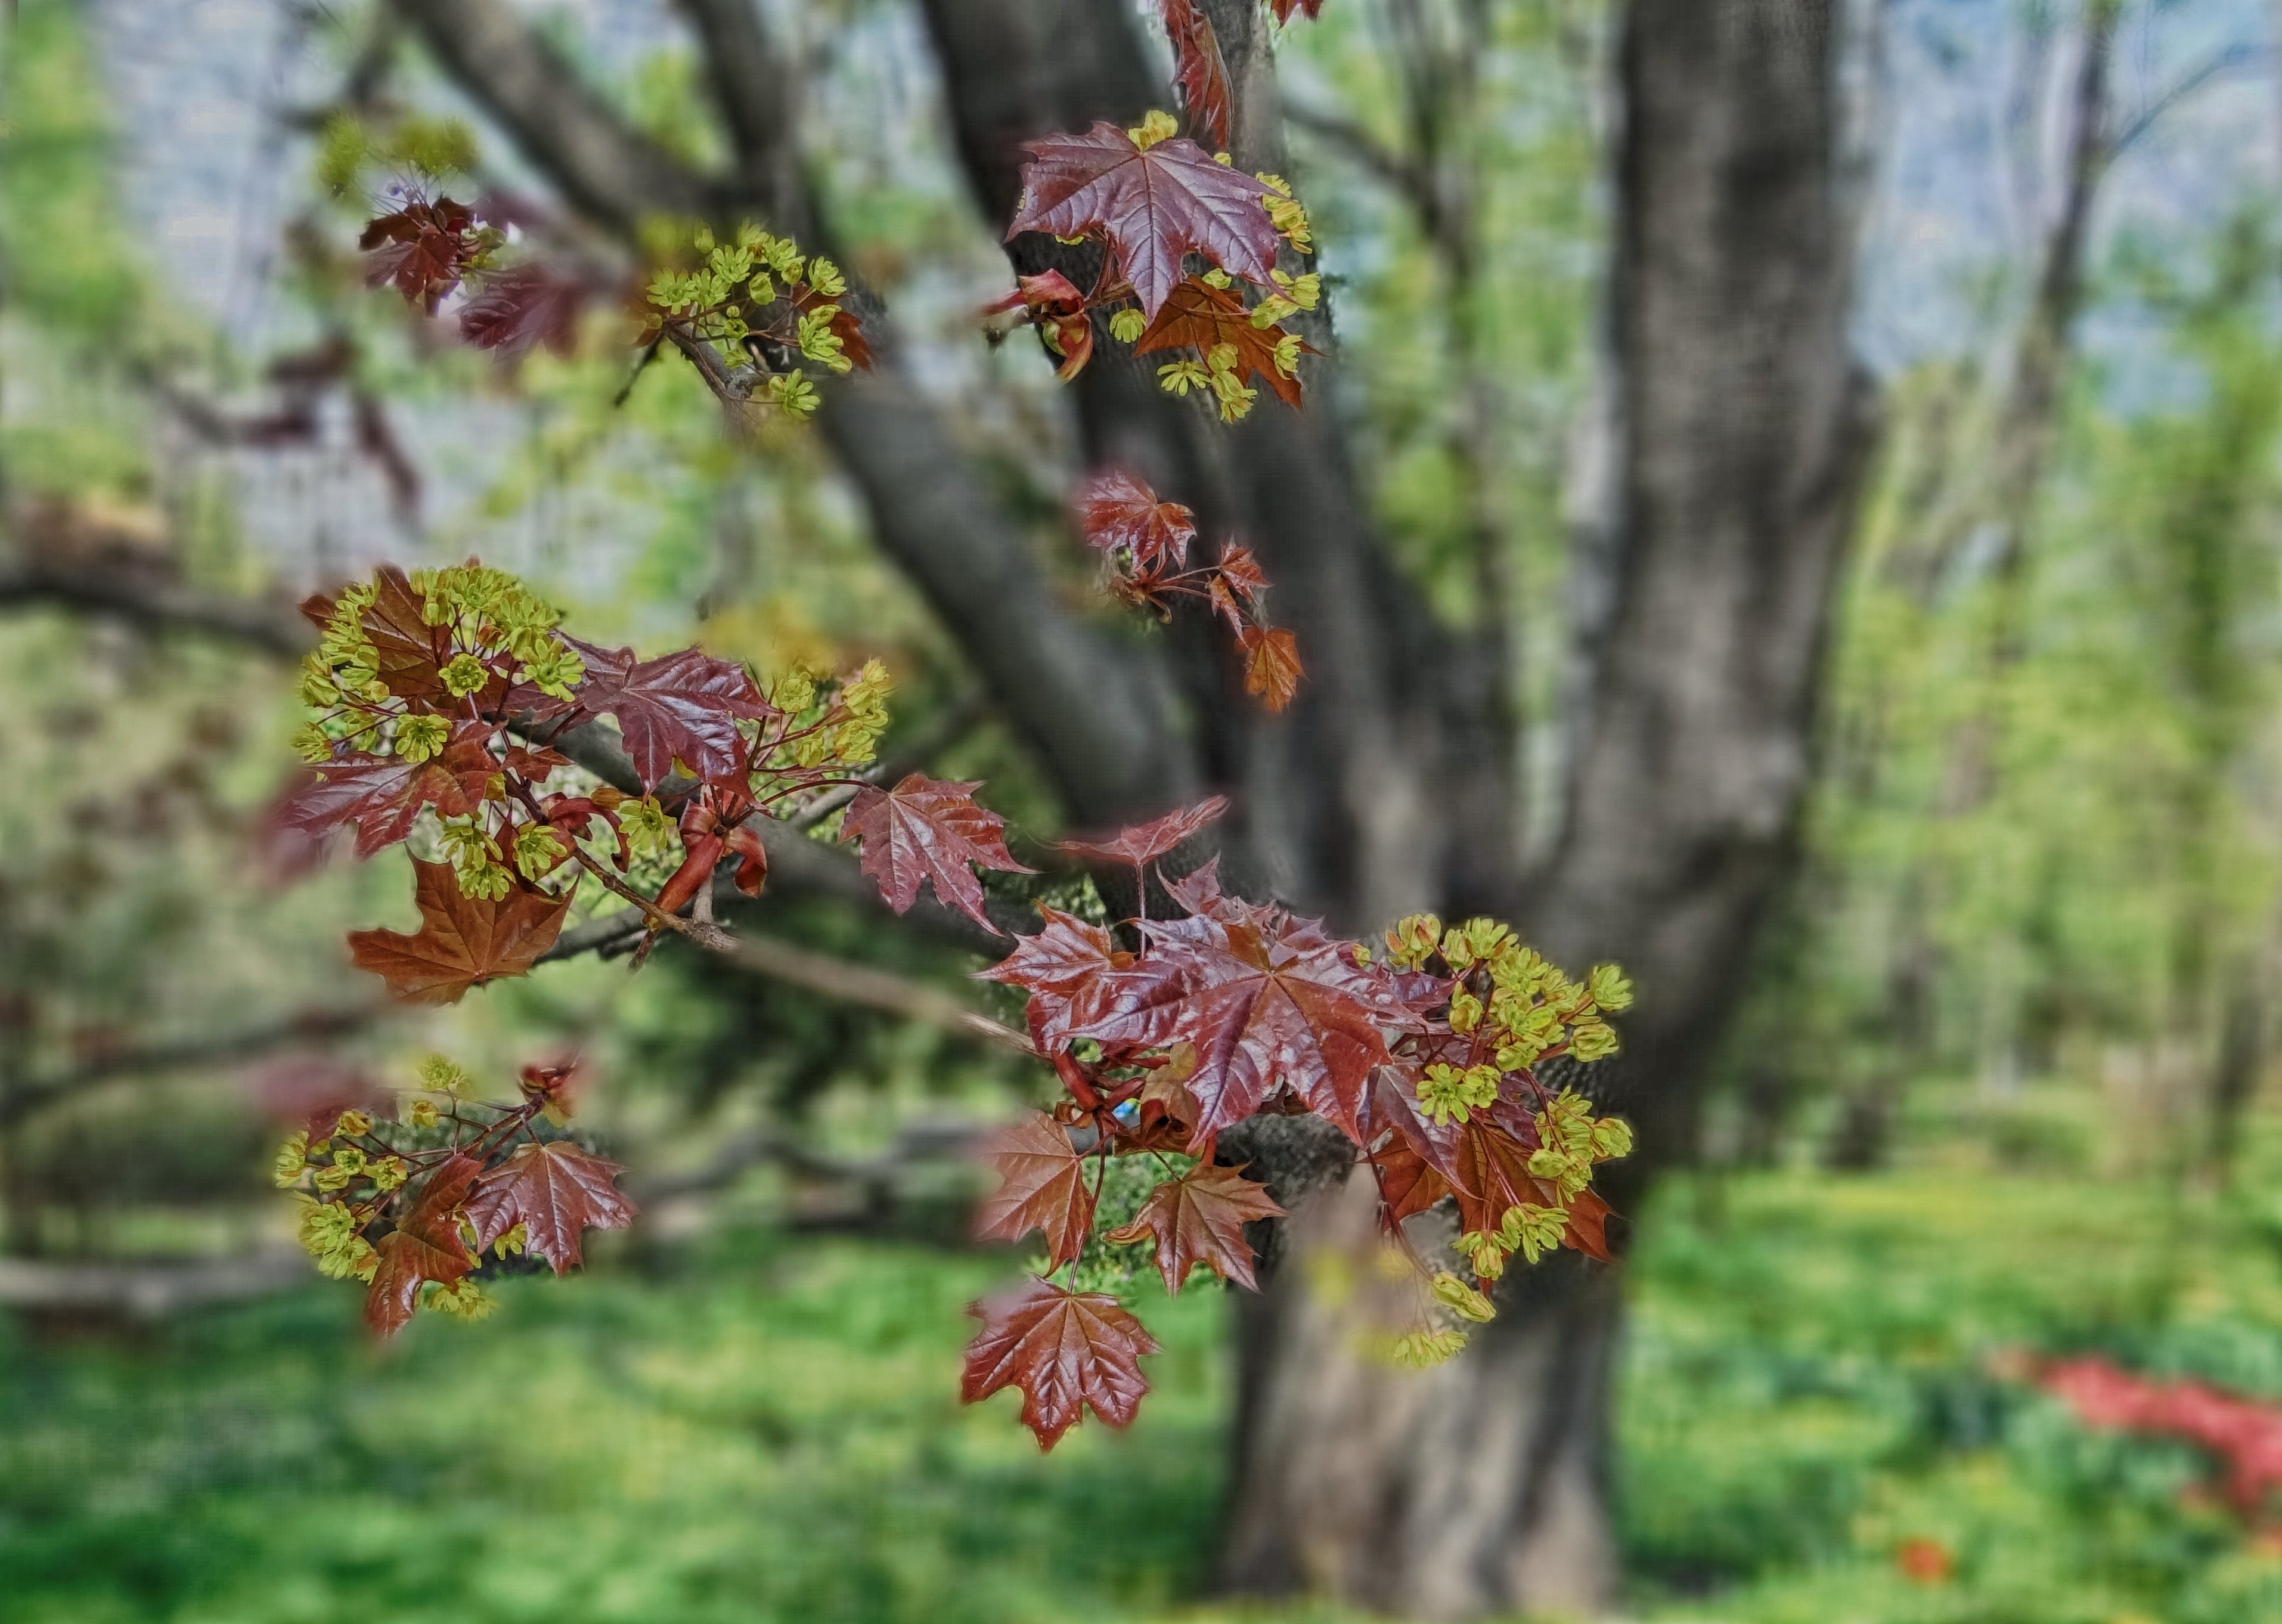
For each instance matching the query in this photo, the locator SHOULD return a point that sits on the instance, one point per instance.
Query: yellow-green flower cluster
(734, 281)
(830, 729)
(1526, 1228)
(490, 613)
(328, 1234)
(476, 859)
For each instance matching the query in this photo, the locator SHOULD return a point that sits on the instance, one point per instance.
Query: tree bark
(1743, 428)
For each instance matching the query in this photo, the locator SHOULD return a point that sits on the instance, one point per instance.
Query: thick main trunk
(1481, 1487)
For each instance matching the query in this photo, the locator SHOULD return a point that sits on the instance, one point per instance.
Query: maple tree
(438, 698)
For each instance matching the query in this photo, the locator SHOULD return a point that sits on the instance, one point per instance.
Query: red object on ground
(2244, 1434)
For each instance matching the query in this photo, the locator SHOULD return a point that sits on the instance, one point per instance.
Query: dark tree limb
(152, 598)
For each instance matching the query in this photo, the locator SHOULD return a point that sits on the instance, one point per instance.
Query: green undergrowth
(1816, 1430)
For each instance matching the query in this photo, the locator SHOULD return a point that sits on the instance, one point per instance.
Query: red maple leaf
(1587, 1230)
(425, 1245)
(1492, 1174)
(1154, 206)
(557, 1192)
(462, 941)
(1269, 1001)
(1116, 510)
(1199, 316)
(683, 705)
(845, 323)
(1064, 1350)
(1060, 965)
(1200, 1218)
(928, 829)
(522, 306)
(423, 248)
(383, 795)
(1271, 664)
(1198, 71)
(411, 652)
(1043, 1188)
(1311, 8)
(1144, 842)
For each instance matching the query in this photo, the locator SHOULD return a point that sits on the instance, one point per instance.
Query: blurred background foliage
(2003, 1082)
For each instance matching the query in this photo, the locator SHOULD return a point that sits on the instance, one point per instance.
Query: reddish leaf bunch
(426, 692)
(1422, 1056)
(2245, 1436)
(1153, 198)
(1144, 544)
(426, 250)
(411, 1207)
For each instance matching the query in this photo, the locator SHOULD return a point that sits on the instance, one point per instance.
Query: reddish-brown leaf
(1043, 1188)
(1271, 664)
(1283, 8)
(557, 1192)
(1242, 571)
(522, 306)
(1144, 842)
(753, 855)
(1199, 890)
(383, 795)
(846, 324)
(1267, 1000)
(1492, 1176)
(1200, 1218)
(1065, 1350)
(411, 651)
(424, 1245)
(1198, 71)
(683, 705)
(462, 941)
(1408, 1185)
(422, 249)
(1060, 966)
(1587, 1230)
(1198, 316)
(926, 829)
(1154, 206)
(1116, 510)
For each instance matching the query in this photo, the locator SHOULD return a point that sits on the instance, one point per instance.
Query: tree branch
(147, 598)
(27, 1098)
(606, 169)
(1097, 712)
(147, 1291)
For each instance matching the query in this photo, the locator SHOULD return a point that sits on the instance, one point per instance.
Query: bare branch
(147, 597)
(147, 1291)
(27, 1098)
(2238, 55)
(606, 168)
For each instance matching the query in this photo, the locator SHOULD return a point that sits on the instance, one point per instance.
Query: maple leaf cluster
(1422, 1055)
(1144, 545)
(427, 250)
(1153, 198)
(410, 1207)
(426, 691)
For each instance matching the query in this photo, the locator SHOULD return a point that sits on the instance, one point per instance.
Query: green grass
(771, 1433)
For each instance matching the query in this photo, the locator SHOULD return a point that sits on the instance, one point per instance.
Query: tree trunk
(1482, 1488)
